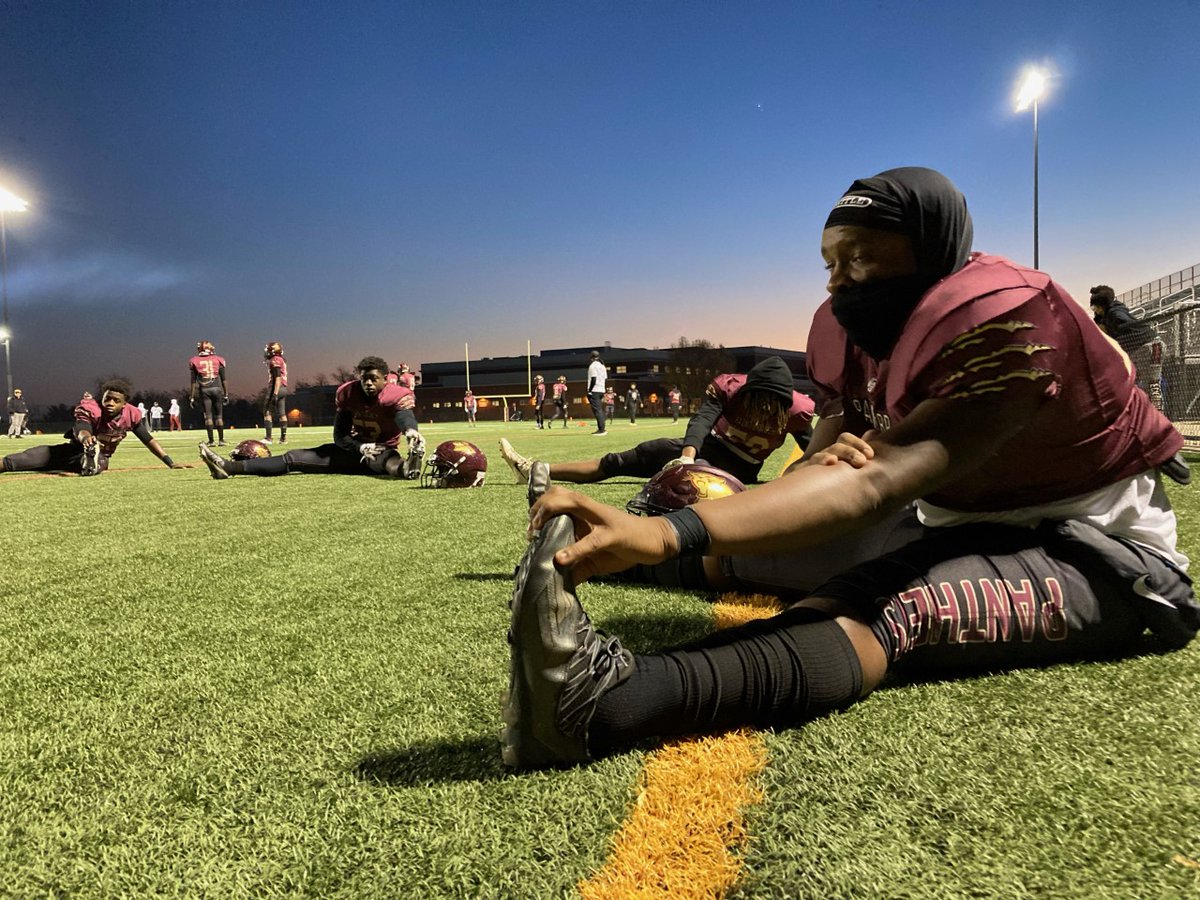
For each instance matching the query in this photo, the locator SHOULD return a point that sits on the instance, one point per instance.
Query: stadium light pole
(9, 202)
(1031, 89)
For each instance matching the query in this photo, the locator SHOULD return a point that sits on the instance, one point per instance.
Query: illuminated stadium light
(1033, 86)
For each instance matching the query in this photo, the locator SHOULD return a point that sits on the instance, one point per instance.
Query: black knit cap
(771, 376)
(919, 202)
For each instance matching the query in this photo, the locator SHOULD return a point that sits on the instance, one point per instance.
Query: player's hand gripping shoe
(560, 665)
(216, 465)
(518, 463)
(90, 464)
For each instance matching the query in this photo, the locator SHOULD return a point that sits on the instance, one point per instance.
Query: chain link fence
(1172, 305)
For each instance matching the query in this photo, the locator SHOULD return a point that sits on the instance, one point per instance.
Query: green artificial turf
(289, 686)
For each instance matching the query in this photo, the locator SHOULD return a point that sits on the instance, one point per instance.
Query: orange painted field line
(686, 829)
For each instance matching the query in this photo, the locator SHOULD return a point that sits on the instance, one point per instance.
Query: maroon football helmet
(250, 449)
(681, 486)
(455, 464)
(205, 348)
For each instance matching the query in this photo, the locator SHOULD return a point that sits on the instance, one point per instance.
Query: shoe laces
(600, 663)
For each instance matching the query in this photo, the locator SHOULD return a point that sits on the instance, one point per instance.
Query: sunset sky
(398, 178)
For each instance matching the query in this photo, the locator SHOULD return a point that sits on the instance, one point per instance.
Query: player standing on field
(277, 391)
(560, 400)
(674, 402)
(372, 416)
(98, 429)
(207, 371)
(539, 400)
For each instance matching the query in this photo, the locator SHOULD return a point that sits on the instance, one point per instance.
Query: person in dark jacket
(1138, 339)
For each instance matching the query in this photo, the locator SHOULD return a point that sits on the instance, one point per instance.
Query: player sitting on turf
(98, 429)
(742, 421)
(972, 386)
(371, 418)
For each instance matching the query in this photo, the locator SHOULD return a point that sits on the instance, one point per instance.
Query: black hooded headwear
(927, 207)
(772, 376)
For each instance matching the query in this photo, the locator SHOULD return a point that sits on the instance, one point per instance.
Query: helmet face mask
(681, 486)
(273, 349)
(250, 449)
(455, 464)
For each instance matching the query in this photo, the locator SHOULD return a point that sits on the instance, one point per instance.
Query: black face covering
(923, 205)
(873, 314)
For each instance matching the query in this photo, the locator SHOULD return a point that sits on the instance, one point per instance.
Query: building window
(621, 370)
(654, 368)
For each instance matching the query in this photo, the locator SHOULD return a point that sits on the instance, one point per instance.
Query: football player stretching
(742, 421)
(98, 429)
(371, 418)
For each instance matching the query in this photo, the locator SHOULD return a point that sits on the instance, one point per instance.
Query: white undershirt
(1136, 508)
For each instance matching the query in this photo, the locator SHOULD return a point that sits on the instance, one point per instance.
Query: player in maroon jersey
(275, 401)
(610, 403)
(539, 400)
(470, 407)
(207, 372)
(560, 400)
(742, 421)
(98, 429)
(674, 402)
(405, 378)
(372, 417)
(985, 494)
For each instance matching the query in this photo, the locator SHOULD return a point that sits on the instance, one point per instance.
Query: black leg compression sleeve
(777, 672)
(683, 571)
(643, 461)
(271, 465)
(34, 459)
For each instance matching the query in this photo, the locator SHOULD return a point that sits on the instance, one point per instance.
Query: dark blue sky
(400, 178)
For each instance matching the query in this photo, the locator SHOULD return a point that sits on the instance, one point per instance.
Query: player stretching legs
(98, 429)
(742, 421)
(992, 367)
(277, 389)
(207, 372)
(372, 416)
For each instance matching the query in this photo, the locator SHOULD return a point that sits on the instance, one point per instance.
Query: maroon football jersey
(560, 392)
(988, 326)
(745, 441)
(676, 397)
(108, 431)
(375, 418)
(407, 380)
(539, 394)
(392, 378)
(207, 368)
(277, 365)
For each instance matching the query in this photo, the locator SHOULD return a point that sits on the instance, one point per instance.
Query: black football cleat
(560, 664)
(216, 465)
(1177, 469)
(539, 480)
(90, 464)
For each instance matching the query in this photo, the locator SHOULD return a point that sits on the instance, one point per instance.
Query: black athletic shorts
(647, 459)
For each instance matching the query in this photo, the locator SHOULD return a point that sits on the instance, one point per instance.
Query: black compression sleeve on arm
(702, 422)
(341, 431)
(142, 433)
(406, 419)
